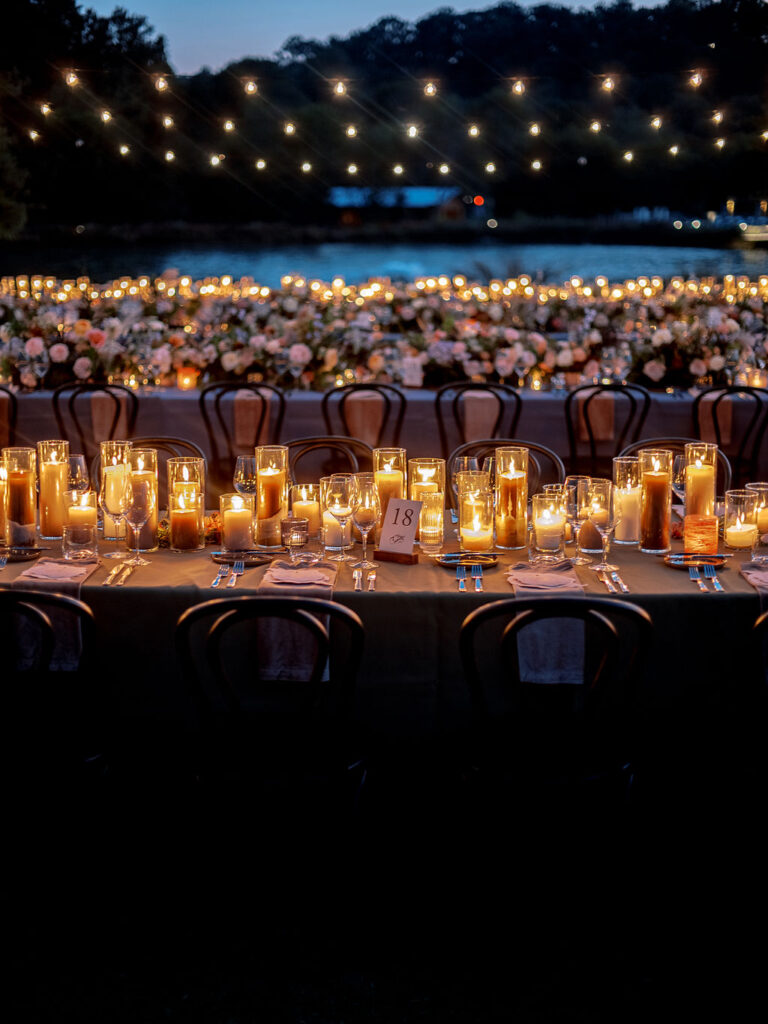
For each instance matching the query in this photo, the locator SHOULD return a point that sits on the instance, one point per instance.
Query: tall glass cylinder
(3, 478)
(761, 512)
(700, 475)
(390, 475)
(655, 500)
(20, 511)
(271, 493)
(425, 476)
(476, 521)
(431, 522)
(143, 464)
(739, 525)
(626, 476)
(115, 466)
(186, 502)
(511, 497)
(53, 472)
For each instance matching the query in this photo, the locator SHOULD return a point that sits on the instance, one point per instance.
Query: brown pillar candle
(655, 511)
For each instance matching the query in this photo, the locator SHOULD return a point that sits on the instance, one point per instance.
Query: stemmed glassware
(576, 498)
(79, 479)
(339, 498)
(365, 513)
(115, 498)
(140, 508)
(678, 477)
(605, 514)
(245, 480)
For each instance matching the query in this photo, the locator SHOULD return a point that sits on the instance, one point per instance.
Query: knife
(604, 579)
(128, 570)
(113, 573)
(620, 582)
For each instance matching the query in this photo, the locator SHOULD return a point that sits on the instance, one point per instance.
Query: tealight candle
(81, 510)
(236, 521)
(476, 521)
(741, 535)
(477, 537)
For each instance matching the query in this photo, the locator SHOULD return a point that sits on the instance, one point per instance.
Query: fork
(223, 573)
(3, 561)
(477, 576)
(711, 574)
(237, 570)
(693, 572)
(461, 576)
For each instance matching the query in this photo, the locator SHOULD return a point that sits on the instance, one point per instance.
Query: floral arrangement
(294, 336)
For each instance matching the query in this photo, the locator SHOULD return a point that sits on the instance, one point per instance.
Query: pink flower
(654, 369)
(59, 352)
(82, 368)
(697, 368)
(96, 337)
(375, 362)
(592, 368)
(300, 353)
(34, 346)
(28, 380)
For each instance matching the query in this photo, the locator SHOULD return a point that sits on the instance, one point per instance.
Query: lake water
(357, 262)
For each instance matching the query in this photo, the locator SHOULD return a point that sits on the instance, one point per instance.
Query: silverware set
(118, 575)
(357, 576)
(613, 582)
(476, 573)
(709, 574)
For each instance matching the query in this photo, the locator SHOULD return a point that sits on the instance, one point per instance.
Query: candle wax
(512, 496)
(54, 477)
(655, 512)
(185, 532)
(699, 490)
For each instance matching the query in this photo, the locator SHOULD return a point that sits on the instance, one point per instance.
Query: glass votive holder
(271, 493)
(626, 477)
(305, 504)
(476, 521)
(700, 534)
(237, 517)
(761, 511)
(740, 526)
(20, 497)
(425, 476)
(472, 480)
(390, 475)
(186, 521)
(186, 494)
(80, 508)
(79, 541)
(53, 472)
(700, 475)
(547, 542)
(294, 533)
(655, 500)
(511, 490)
(431, 522)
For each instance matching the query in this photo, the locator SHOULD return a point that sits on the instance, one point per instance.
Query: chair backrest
(266, 410)
(387, 414)
(744, 458)
(630, 408)
(50, 617)
(677, 445)
(167, 448)
(544, 465)
(9, 413)
(331, 635)
(74, 418)
(337, 455)
(450, 409)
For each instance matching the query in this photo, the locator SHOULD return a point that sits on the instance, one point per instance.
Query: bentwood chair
(217, 408)
(387, 421)
(9, 413)
(451, 404)
(544, 465)
(273, 680)
(552, 685)
(323, 455)
(677, 446)
(74, 415)
(631, 405)
(744, 453)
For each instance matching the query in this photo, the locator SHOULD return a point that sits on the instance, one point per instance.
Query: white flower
(82, 368)
(654, 369)
(697, 368)
(59, 352)
(229, 361)
(300, 353)
(162, 359)
(564, 358)
(661, 337)
(717, 363)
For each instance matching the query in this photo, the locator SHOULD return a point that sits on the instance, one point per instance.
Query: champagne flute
(576, 490)
(78, 474)
(605, 515)
(245, 480)
(339, 498)
(366, 509)
(678, 478)
(140, 508)
(115, 497)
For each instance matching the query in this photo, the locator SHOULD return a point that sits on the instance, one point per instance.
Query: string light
(696, 79)
(351, 131)
(656, 122)
(473, 131)
(124, 150)
(167, 121)
(535, 129)
(717, 117)
(608, 84)
(105, 116)
(720, 143)
(412, 131)
(674, 150)
(229, 126)
(430, 89)
(34, 136)
(289, 128)
(595, 126)
(170, 156)
(71, 79)
(339, 88)
(490, 167)
(518, 87)
(764, 136)
(352, 169)
(216, 159)
(250, 87)
(444, 169)
(629, 156)
(398, 169)
(261, 164)
(536, 165)
(306, 167)
(46, 109)
(161, 83)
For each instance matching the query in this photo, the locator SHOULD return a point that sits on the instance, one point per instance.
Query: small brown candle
(655, 511)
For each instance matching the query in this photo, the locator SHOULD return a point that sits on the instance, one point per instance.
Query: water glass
(79, 542)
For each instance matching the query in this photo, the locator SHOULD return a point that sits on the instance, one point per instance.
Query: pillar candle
(740, 535)
(390, 484)
(334, 535)
(184, 528)
(655, 511)
(476, 538)
(309, 509)
(54, 477)
(3, 477)
(548, 529)
(271, 487)
(81, 515)
(237, 528)
(628, 528)
(762, 520)
(699, 489)
(20, 508)
(511, 524)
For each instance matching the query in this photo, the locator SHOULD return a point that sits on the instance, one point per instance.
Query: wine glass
(678, 478)
(78, 474)
(138, 512)
(245, 480)
(605, 515)
(115, 497)
(366, 510)
(576, 496)
(339, 498)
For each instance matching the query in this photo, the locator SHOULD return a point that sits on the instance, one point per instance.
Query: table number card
(398, 531)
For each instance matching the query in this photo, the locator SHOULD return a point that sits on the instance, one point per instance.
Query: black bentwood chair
(677, 446)
(544, 465)
(74, 415)
(273, 680)
(750, 438)
(336, 405)
(450, 409)
(552, 681)
(631, 405)
(9, 413)
(325, 455)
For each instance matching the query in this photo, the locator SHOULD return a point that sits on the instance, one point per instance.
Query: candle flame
(656, 464)
(237, 502)
(476, 524)
(182, 503)
(84, 500)
(304, 494)
(141, 462)
(3, 473)
(427, 473)
(739, 521)
(185, 472)
(698, 463)
(114, 460)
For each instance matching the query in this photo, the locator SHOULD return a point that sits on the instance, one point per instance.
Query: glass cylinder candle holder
(390, 475)
(305, 504)
(335, 537)
(237, 519)
(53, 473)
(511, 497)
(186, 521)
(626, 476)
(425, 476)
(740, 524)
(294, 534)
(271, 493)
(20, 512)
(80, 508)
(547, 529)
(114, 468)
(79, 542)
(476, 521)
(761, 510)
(3, 478)
(143, 469)
(655, 500)
(186, 494)
(472, 480)
(700, 475)
(431, 522)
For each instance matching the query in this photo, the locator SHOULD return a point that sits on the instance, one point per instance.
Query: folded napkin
(757, 575)
(60, 570)
(549, 652)
(281, 574)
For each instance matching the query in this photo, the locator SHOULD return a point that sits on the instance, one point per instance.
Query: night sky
(200, 33)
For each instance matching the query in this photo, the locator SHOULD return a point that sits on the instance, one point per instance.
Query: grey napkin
(549, 652)
(757, 575)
